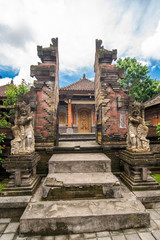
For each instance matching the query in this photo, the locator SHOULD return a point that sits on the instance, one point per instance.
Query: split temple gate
(83, 107)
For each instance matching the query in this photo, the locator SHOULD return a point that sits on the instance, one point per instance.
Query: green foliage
(3, 122)
(3, 183)
(137, 81)
(2, 137)
(158, 130)
(2, 186)
(14, 92)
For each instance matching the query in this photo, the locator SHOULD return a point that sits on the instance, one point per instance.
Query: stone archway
(84, 120)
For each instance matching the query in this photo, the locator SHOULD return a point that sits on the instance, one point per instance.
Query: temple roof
(81, 85)
(3, 91)
(153, 101)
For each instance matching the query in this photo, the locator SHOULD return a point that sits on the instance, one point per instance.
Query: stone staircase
(80, 175)
(77, 137)
(80, 194)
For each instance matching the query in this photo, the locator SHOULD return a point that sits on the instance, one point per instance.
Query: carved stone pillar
(69, 129)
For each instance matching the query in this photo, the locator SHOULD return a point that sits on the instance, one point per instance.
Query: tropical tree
(13, 92)
(137, 80)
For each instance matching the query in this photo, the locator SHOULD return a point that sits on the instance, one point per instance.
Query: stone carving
(137, 130)
(23, 142)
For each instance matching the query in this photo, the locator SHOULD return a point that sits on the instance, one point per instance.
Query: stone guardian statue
(23, 142)
(137, 130)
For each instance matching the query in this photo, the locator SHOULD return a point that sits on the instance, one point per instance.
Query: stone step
(81, 179)
(61, 217)
(77, 137)
(79, 163)
(81, 185)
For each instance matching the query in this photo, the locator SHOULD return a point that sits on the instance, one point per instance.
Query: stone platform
(137, 174)
(80, 175)
(77, 216)
(23, 178)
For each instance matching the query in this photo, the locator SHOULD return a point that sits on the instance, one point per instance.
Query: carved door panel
(62, 118)
(84, 120)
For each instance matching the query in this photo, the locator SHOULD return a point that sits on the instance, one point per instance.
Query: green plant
(2, 146)
(158, 130)
(14, 92)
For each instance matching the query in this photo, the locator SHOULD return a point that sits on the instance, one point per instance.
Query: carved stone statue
(23, 142)
(137, 130)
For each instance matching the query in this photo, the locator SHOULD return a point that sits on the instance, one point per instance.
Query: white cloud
(151, 45)
(144, 63)
(130, 26)
(153, 67)
(4, 81)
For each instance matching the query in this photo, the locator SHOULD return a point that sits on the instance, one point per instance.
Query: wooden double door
(84, 120)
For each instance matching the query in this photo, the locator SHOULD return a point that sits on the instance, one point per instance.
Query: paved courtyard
(9, 231)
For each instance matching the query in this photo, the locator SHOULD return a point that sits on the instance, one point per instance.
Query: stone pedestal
(23, 179)
(137, 172)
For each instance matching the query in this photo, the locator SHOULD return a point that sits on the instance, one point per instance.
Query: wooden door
(84, 120)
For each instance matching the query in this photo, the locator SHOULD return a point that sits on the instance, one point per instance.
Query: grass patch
(2, 186)
(3, 183)
(156, 177)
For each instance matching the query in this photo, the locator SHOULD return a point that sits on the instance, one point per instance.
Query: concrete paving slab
(133, 236)
(103, 234)
(89, 235)
(48, 238)
(122, 237)
(154, 215)
(153, 225)
(158, 223)
(5, 220)
(7, 236)
(76, 237)
(62, 237)
(129, 231)
(113, 233)
(2, 227)
(12, 227)
(104, 238)
(146, 236)
(156, 234)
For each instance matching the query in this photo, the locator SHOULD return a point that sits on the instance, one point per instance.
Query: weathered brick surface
(47, 93)
(109, 95)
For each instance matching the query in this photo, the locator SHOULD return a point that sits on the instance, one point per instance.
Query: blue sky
(130, 26)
